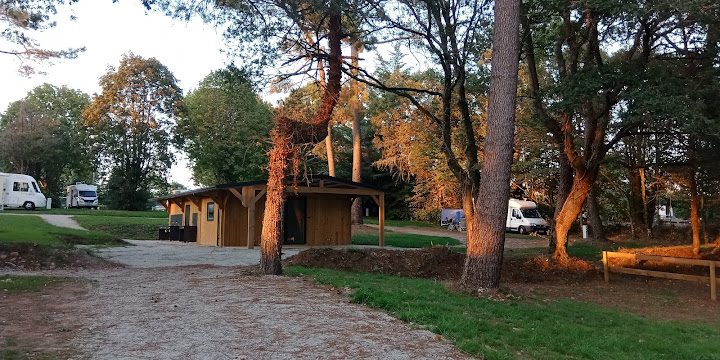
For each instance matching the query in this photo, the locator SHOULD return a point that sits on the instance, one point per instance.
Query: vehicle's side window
(515, 213)
(211, 211)
(21, 186)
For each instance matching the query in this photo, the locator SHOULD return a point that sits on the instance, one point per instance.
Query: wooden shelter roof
(319, 184)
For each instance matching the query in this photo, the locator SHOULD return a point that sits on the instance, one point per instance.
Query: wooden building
(317, 212)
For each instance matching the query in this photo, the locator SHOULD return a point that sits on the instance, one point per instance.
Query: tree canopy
(226, 130)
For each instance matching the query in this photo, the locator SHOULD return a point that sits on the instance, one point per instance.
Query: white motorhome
(81, 196)
(20, 191)
(524, 217)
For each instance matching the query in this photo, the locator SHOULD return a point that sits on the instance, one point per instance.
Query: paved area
(65, 221)
(156, 253)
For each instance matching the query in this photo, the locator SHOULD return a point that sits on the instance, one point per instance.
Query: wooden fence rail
(712, 265)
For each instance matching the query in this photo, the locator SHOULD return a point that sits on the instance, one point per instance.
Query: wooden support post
(605, 266)
(251, 225)
(381, 220)
(713, 283)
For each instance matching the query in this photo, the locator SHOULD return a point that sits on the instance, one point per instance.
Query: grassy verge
(401, 223)
(13, 283)
(34, 230)
(89, 212)
(139, 228)
(526, 329)
(403, 240)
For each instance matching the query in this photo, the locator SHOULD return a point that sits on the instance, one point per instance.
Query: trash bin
(174, 233)
(48, 203)
(189, 233)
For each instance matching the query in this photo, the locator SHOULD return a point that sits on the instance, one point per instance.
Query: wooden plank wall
(207, 230)
(234, 223)
(328, 219)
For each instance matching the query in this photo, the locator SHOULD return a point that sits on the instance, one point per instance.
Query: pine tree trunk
(636, 199)
(596, 226)
(330, 151)
(356, 104)
(271, 236)
(288, 133)
(694, 213)
(486, 242)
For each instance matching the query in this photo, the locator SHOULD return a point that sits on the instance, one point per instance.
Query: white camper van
(81, 195)
(20, 191)
(524, 218)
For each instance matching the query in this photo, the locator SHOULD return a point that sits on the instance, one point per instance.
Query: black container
(164, 233)
(189, 233)
(175, 233)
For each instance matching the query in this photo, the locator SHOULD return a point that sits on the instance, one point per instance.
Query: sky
(190, 50)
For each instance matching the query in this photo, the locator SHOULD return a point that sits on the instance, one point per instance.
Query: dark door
(187, 216)
(295, 220)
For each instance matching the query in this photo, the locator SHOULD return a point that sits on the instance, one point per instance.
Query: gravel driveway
(221, 313)
(156, 253)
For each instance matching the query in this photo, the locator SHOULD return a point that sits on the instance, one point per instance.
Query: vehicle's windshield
(35, 187)
(87, 193)
(531, 213)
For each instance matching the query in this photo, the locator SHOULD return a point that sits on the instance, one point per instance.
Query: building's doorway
(295, 220)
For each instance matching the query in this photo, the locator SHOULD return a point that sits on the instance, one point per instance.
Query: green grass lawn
(34, 230)
(89, 212)
(524, 328)
(403, 240)
(13, 283)
(138, 228)
(400, 223)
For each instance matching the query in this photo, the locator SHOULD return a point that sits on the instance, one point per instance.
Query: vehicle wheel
(522, 231)
(28, 205)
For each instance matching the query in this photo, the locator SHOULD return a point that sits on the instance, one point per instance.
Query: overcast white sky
(190, 50)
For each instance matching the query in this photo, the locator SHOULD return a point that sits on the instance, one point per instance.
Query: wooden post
(251, 226)
(605, 266)
(713, 282)
(381, 221)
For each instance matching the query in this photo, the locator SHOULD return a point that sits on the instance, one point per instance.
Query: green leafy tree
(226, 130)
(43, 135)
(130, 123)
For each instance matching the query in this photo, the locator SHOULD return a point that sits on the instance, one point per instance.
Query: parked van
(81, 196)
(524, 217)
(20, 191)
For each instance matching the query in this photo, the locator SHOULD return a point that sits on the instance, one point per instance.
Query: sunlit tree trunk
(569, 212)
(356, 107)
(486, 242)
(694, 212)
(330, 151)
(565, 182)
(285, 136)
(636, 199)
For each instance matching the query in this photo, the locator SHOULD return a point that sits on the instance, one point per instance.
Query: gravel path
(510, 242)
(219, 313)
(65, 221)
(156, 253)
